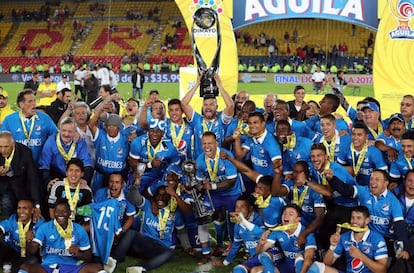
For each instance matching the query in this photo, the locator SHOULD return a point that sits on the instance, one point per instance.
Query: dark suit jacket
(134, 79)
(31, 85)
(22, 178)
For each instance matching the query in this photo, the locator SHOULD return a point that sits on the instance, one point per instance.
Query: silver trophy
(203, 207)
(206, 23)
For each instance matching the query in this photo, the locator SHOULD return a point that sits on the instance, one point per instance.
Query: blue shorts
(63, 268)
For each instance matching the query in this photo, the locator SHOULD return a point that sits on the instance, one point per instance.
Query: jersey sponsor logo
(259, 162)
(110, 163)
(377, 220)
(57, 251)
(357, 265)
(385, 207)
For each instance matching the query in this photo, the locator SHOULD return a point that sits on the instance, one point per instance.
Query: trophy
(203, 207)
(206, 20)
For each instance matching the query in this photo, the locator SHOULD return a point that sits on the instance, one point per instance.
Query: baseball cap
(4, 93)
(114, 119)
(157, 124)
(371, 105)
(64, 76)
(398, 116)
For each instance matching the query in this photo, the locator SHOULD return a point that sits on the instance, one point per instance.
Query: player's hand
(392, 154)
(355, 252)
(3, 170)
(51, 183)
(301, 240)
(224, 155)
(329, 174)
(156, 162)
(74, 249)
(404, 255)
(277, 166)
(334, 239)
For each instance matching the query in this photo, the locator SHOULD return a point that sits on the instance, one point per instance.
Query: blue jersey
(400, 167)
(184, 144)
(111, 153)
(225, 170)
(272, 213)
(384, 210)
(390, 141)
(247, 237)
(217, 126)
(299, 128)
(340, 172)
(314, 123)
(105, 225)
(125, 208)
(301, 152)
(133, 128)
(10, 228)
(52, 159)
(289, 245)
(342, 144)
(150, 225)
(373, 160)
(43, 128)
(263, 152)
(372, 245)
(53, 245)
(167, 153)
(311, 201)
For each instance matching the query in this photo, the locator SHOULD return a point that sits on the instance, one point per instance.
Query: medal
(162, 234)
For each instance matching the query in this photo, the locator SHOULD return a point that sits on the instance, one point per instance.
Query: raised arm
(229, 110)
(241, 167)
(185, 101)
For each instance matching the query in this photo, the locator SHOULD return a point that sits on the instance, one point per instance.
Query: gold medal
(162, 234)
(72, 215)
(23, 252)
(68, 242)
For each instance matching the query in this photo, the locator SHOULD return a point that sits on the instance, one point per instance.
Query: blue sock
(314, 268)
(239, 269)
(298, 264)
(219, 226)
(267, 263)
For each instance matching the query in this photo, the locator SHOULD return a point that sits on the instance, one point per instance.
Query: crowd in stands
(290, 181)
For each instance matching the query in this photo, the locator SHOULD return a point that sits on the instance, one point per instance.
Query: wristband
(213, 186)
(332, 247)
(258, 178)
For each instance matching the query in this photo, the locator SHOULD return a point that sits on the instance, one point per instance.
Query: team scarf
(151, 156)
(298, 199)
(162, 220)
(330, 148)
(285, 227)
(72, 200)
(290, 142)
(23, 123)
(212, 172)
(66, 156)
(66, 234)
(261, 202)
(361, 157)
(22, 236)
(176, 138)
(8, 160)
(348, 226)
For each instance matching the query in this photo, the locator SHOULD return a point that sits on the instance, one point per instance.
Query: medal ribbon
(162, 219)
(361, 157)
(65, 233)
(213, 172)
(8, 160)
(206, 127)
(173, 201)
(156, 150)
(22, 236)
(72, 200)
(66, 156)
(263, 203)
(409, 162)
(176, 138)
(380, 130)
(348, 226)
(27, 134)
(298, 200)
(330, 148)
(324, 180)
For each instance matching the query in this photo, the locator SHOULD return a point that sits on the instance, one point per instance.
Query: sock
(239, 269)
(267, 263)
(298, 264)
(219, 226)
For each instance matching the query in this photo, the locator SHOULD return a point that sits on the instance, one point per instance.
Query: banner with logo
(393, 54)
(358, 12)
(207, 45)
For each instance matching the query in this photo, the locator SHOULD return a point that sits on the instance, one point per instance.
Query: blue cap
(371, 105)
(398, 116)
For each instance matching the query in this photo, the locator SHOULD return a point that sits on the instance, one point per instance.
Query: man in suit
(33, 83)
(18, 175)
(138, 80)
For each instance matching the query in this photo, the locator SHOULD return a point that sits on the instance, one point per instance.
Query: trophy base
(202, 220)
